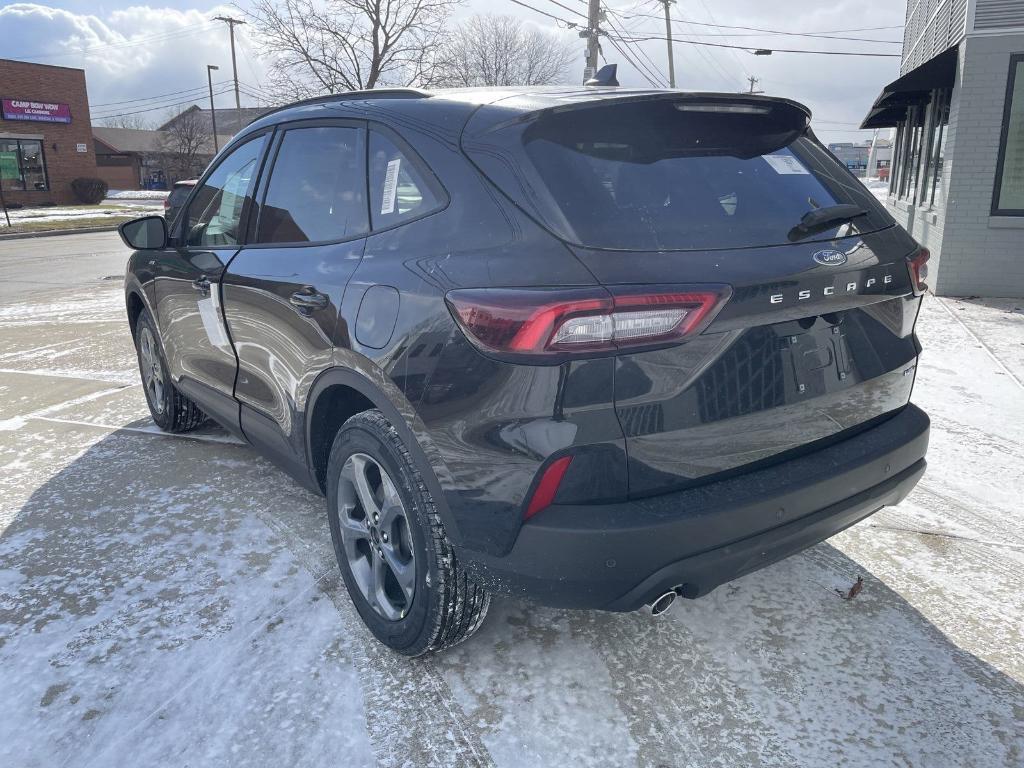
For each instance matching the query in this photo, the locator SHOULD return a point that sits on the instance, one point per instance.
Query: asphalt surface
(169, 600)
(36, 265)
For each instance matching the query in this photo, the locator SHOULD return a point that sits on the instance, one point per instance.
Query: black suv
(598, 347)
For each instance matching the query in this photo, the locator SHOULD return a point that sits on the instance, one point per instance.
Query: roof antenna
(605, 76)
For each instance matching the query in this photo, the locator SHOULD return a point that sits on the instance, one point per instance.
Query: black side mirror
(146, 234)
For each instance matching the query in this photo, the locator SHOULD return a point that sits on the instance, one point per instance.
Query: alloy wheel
(375, 535)
(152, 370)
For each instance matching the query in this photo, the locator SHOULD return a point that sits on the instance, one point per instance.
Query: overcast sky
(132, 51)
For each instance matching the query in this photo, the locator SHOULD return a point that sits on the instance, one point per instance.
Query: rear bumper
(620, 556)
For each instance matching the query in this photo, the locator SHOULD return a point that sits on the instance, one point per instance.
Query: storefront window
(1008, 199)
(22, 165)
(913, 155)
(931, 189)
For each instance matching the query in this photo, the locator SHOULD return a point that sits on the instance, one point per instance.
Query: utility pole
(234, 66)
(753, 82)
(213, 112)
(592, 34)
(668, 37)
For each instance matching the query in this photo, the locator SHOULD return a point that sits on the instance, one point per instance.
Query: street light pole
(213, 112)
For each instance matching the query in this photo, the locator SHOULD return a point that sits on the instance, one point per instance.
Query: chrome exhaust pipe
(661, 605)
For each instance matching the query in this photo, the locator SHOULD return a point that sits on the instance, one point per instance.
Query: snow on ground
(173, 600)
(878, 188)
(63, 213)
(137, 194)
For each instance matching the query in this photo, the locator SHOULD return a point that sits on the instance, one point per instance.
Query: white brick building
(957, 180)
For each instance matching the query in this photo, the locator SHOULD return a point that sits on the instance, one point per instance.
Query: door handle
(308, 299)
(202, 284)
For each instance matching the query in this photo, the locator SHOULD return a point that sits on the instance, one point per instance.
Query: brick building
(45, 134)
(957, 180)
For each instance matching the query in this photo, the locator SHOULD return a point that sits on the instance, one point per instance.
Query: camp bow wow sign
(36, 111)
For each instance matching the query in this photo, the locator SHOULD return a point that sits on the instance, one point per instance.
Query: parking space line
(63, 375)
(153, 431)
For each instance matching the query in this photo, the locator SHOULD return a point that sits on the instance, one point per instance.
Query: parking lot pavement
(173, 600)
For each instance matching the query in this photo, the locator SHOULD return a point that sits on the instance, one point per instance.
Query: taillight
(918, 264)
(167, 204)
(555, 322)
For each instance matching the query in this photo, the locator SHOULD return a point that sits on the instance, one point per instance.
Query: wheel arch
(338, 394)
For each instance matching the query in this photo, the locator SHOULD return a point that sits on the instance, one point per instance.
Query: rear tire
(171, 410)
(398, 565)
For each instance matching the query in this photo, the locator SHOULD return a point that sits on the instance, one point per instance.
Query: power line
(158, 38)
(773, 50)
(645, 69)
(108, 116)
(567, 8)
(570, 24)
(816, 33)
(202, 89)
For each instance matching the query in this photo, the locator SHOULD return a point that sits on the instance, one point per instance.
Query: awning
(915, 87)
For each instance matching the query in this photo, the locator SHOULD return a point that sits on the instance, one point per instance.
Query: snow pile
(137, 194)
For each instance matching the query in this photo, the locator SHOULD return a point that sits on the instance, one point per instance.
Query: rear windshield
(650, 176)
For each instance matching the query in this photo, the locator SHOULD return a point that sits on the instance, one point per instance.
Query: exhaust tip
(661, 605)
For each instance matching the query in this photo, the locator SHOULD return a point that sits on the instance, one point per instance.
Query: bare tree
(501, 50)
(136, 122)
(341, 45)
(186, 144)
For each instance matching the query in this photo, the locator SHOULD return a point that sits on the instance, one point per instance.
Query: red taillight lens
(548, 486)
(167, 204)
(541, 321)
(918, 264)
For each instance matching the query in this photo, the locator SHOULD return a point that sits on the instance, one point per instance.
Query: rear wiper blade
(821, 219)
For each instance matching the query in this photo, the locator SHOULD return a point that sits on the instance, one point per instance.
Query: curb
(55, 232)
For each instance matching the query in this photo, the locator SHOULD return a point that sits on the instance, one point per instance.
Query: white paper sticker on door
(209, 311)
(390, 187)
(786, 164)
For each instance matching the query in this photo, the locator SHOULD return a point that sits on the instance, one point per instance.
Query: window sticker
(391, 186)
(786, 165)
(210, 314)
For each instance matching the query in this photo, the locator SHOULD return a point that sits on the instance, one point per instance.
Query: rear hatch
(816, 340)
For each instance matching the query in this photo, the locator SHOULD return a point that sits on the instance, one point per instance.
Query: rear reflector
(918, 264)
(541, 321)
(548, 486)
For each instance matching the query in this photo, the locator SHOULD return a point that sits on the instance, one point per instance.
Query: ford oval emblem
(830, 258)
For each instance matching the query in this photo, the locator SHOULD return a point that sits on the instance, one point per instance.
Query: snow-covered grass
(137, 194)
(170, 600)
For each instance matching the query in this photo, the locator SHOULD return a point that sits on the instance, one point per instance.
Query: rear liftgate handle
(309, 299)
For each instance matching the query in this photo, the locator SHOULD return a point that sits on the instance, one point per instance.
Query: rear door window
(400, 189)
(317, 187)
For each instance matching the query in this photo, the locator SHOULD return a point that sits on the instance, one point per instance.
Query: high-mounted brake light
(552, 322)
(918, 265)
(735, 109)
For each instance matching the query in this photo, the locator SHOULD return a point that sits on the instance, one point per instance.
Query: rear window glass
(399, 190)
(178, 195)
(651, 177)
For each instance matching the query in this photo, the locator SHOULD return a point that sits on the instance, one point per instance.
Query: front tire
(397, 563)
(171, 410)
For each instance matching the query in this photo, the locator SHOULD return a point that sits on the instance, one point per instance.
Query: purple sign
(36, 111)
